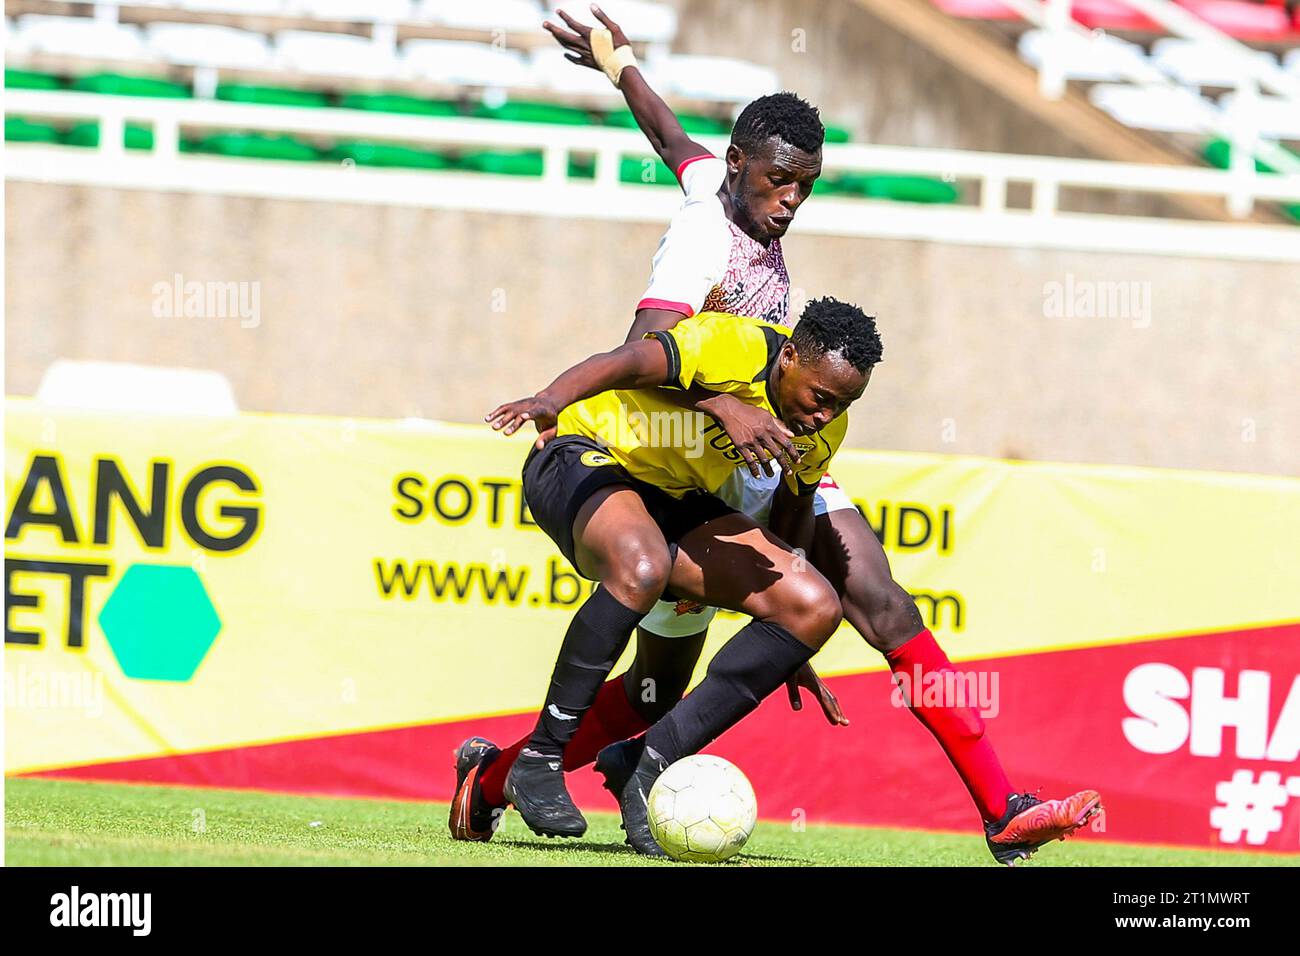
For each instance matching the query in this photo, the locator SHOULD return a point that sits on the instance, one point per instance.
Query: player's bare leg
(847, 551)
(617, 543)
(731, 563)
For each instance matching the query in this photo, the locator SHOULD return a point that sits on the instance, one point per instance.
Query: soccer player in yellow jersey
(625, 490)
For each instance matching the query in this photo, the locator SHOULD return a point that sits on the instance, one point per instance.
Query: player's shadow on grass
(623, 849)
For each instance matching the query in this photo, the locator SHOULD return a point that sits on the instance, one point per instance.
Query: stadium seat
(87, 134)
(121, 387)
(205, 44)
(1096, 58)
(333, 54)
(717, 78)
(365, 153)
(1200, 64)
(693, 123)
(488, 15)
(1245, 21)
(554, 72)
(1218, 153)
(80, 36)
(31, 80)
(527, 111)
(834, 133)
(270, 95)
(14, 42)
(254, 7)
(359, 11)
(118, 84)
(900, 188)
(1166, 109)
(504, 162)
(399, 103)
(1276, 117)
(255, 146)
(20, 130)
(645, 171)
(641, 21)
(466, 63)
(1112, 15)
(977, 9)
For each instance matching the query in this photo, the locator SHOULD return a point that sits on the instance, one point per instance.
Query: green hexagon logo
(159, 622)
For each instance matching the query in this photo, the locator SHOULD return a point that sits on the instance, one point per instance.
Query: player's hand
(577, 39)
(807, 677)
(759, 438)
(512, 416)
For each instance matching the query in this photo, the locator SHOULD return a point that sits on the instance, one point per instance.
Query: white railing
(989, 220)
(1239, 125)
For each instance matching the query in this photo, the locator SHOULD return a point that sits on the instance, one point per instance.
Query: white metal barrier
(991, 220)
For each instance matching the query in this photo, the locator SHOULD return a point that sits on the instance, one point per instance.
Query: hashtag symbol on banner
(1249, 807)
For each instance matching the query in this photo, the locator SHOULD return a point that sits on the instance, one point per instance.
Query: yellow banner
(176, 584)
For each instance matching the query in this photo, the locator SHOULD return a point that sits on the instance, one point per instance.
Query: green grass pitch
(59, 823)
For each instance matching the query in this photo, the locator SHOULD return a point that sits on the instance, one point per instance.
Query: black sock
(595, 639)
(748, 667)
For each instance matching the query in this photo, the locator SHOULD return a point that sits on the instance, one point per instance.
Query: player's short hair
(784, 115)
(830, 326)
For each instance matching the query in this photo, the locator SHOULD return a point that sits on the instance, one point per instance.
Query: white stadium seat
(333, 54)
(255, 7)
(205, 44)
(355, 11)
(1200, 64)
(80, 36)
(1275, 117)
(556, 73)
(1292, 60)
(1095, 58)
(1166, 109)
(466, 63)
(522, 15)
(641, 21)
(718, 77)
(14, 42)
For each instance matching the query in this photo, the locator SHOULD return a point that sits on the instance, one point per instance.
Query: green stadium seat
(398, 103)
(1218, 152)
(87, 134)
(527, 111)
(255, 146)
(505, 163)
(21, 130)
(365, 153)
(582, 167)
(270, 95)
(640, 170)
(119, 84)
(693, 123)
(837, 134)
(922, 189)
(31, 80)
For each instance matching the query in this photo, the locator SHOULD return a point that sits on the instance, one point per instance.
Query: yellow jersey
(678, 450)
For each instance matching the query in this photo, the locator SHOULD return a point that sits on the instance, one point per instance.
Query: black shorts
(560, 478)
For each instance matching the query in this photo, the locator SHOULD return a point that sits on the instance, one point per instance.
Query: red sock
(959, 730)
(612, 718)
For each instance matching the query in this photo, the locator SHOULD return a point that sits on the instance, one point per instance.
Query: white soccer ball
(702, 809)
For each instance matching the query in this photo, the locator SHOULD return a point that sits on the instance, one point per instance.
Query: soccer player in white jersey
(722, 253)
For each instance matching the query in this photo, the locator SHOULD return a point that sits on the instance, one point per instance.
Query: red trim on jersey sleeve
(686, 162)
(667, 306)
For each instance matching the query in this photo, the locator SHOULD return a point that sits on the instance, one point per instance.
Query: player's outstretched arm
(641, 364)
(652, 114)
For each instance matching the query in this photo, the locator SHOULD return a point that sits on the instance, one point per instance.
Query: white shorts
(684, 618)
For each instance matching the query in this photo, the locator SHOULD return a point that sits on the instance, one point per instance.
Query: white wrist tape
(612, 61)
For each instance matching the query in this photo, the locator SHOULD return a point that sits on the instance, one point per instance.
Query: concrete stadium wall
(391, 312)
